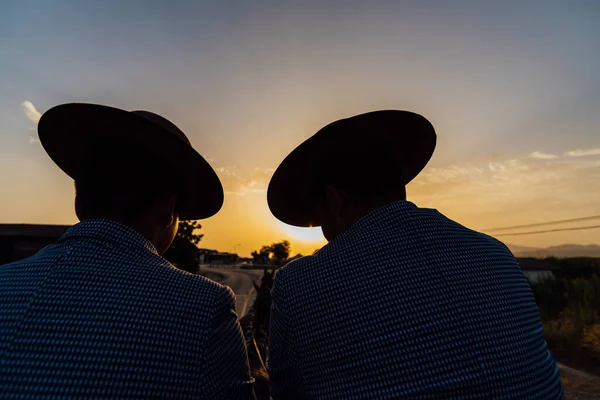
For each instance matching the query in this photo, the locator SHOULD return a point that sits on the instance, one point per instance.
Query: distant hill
(562, 251)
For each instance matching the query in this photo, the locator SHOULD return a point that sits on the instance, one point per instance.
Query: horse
(255, 325)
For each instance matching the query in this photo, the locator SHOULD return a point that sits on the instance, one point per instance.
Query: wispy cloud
(251, 186)
(532, 181)
(34, 116)
(543, 156)
(488, 193)
(241, 182)
(573, 153)
(31, 112)
(584, 152)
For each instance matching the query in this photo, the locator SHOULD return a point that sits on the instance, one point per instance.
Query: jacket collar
(109, 231)
(384, 215)
(384, 218)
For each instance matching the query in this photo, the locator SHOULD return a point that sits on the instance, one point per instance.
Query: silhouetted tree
(281, 252)
(262, 256)
(277, 253)
(184, 251)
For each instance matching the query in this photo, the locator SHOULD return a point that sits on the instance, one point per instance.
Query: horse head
(267, 279)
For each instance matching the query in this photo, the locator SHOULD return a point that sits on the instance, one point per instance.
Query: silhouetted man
(100, 314)
(402, 302)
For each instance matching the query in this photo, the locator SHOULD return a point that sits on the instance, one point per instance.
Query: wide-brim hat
(67, 131)
(403, 136)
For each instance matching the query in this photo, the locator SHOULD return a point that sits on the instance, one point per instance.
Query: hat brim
(67, 130)
(408, 137)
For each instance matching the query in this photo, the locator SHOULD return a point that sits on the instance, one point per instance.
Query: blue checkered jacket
(100, 314)
(408, 304)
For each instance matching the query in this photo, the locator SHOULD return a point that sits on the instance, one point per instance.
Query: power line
(563, 221)
(578, 228)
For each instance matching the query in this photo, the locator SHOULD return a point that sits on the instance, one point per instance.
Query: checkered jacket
(100, 314)
(408, 304)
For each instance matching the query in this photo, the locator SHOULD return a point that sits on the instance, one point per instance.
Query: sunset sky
(512, 88)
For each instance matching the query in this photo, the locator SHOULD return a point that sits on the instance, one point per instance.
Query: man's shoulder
(438, 224)
(194, 285)
(299, 272)
(146, 271)
(47, 255)
(295, 266)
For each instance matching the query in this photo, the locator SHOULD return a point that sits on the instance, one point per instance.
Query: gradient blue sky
(512, 88)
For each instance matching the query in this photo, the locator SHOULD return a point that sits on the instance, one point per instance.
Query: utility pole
(235, 252)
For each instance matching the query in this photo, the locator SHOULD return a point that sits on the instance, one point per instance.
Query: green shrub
(570, 312)
(591, 340)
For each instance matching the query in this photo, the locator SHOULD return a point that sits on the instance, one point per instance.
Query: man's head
(349, 168)
(135, 167)
(127, 184)
(354, 184)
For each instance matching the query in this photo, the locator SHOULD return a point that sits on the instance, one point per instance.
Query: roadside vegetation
(570, 309)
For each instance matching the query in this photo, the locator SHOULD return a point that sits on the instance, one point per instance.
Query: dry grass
(591, 340)
(570, 311)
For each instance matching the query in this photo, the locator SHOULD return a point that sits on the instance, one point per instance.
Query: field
(570, 310)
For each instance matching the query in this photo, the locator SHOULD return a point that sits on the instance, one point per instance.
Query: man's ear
(167, 207)
(78, 210)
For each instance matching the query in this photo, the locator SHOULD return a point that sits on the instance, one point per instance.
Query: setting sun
(306, 235)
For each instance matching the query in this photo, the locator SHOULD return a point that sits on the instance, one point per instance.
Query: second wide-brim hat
(403, 136)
